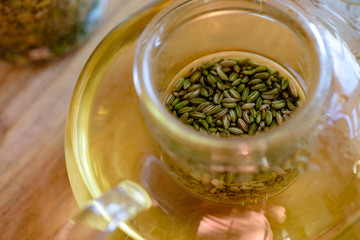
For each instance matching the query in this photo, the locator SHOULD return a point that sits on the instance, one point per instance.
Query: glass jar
(233, 170)
(36, 31)
(108, 140)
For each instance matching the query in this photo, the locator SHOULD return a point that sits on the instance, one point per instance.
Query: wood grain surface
(35, 195)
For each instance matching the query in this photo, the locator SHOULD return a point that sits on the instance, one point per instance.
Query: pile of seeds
(233, 98)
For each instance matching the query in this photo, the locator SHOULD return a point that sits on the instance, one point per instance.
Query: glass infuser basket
(297, 181)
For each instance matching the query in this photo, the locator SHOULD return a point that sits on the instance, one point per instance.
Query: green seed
(277, 85)
(221, 74)
(247, 106)
(238, 111)
(267, 102)
(181, 104)
(176, 101)
(220, 86)
(195, 76)
(246, 117)
(260, 69)
(178, 84)
(194, 87)
(204, 92)
(214, 110)
(188, 95)
(202, 105)
(170, 99)
(248, 72)
(243, 125)
(264, 107)
(273, 124)
(196, 126)
(252, 97)
(299, 103)
(236, 68)
(292, 89)
(268, 118)
(204, 123)
(209, 90)
(253, 112)
(245, 94)
(211, 80)
(268, 97)
(198, 100)
(254, 63)
(252, 119)
(226, 69)
(236, 82)
(263, 115)
(184, 117)
(222, 113)
(234, 93)
(284, 84)
(245, 79)
(235, 130)
(227, 94)
(291, 106)
(209, 119)
(189, 121)
(212, 130)
(229, 105)
(205, 72)
(192, 70)
(262, 75)
(285, 94)
(243, 62)
(258, 117)
(186, 84)
(240, 88)
(232, 115)
(286, 111)
(255, 81)
(274, 79)
(273, 112)
(258, 86)
(233, 76)
(264, 89)
(258, 103)
(268, 81)
(228, 63)
(226, 122)
(216, 98)
(184, 110)
(229, 100)
(279, 118)
(278, 105)
(252, 129)
(197, 115)
(271, 92)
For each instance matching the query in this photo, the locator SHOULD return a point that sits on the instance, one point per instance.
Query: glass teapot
(297, 181)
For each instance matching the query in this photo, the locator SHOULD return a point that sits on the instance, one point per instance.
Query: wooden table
(36, 199)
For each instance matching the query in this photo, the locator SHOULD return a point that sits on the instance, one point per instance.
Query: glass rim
(308, 114)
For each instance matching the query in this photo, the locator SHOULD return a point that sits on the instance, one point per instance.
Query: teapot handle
(100, 217)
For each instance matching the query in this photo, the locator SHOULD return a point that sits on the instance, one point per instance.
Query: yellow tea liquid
(114, 144)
